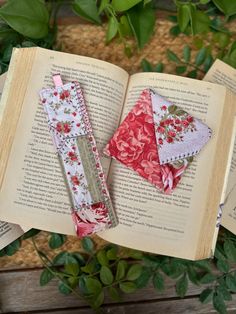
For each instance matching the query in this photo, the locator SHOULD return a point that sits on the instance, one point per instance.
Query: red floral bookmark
(73, 137)
(158, 140)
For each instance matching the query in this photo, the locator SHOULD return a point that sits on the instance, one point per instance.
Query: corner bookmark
(158, 140)
(72, 134)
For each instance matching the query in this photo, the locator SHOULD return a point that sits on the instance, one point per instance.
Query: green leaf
(63, 288)
(206, 295)
(73, 282)
(2, 253)
(98, 300)
(45, 277)
(224, 293)
(79, 257)
(106, 276)
(90, 267)
(172, 56)
(200, 22)
(222, 39)
(103, 6)
(87, 9)
(172, 109)
(128, 287)
(192, 74)
(183, 15)
(112, 254)
(231, 282)
(204, 1)
(93, 285)
(182, 286)
(60, 259)
(12, 248)
(175, 30)
(158, 281)
(208, 278)
(121, 268)
(134, 272)
(219, 304)
(193, 275)
(56, 240)
(159, 67)
(28, 17)
(124, 26)
(29, 234)
(102, 258)
(201, 56)
(142, 22)
(228, 7)
(187, 53)
(144, 278)
(222, 266)
(230, 250)
(87, 244)
(180, 69)
(112, 29)
(72, 269)
(208, 62)
(124, 5)
(146, 66)
(114, 294)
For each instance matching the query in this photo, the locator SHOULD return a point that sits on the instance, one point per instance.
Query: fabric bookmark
(72, 134)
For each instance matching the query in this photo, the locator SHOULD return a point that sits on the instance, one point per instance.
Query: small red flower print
(94, 149)
(162, 123)
(43, 101)
(97, 165)
(185, 123)
(178, 129)
(160, 130)
(62, 96)
(72, 156)
(177, 121)
(78, 125)
(75, 180)
(190, 119)
(172, 134)
(67, 128)
(55, 93)
(66, 93)
(74, 114)
(59, 127)
(73, 147)
(169, 139)
(160, 141)
(163, 107)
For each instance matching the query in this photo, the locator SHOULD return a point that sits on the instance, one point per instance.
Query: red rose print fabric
(154, 125)
(72, 134)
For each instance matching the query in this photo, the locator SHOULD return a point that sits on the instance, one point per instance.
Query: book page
(8, 232)
(34, 191)
(150, 220)
(225, 75)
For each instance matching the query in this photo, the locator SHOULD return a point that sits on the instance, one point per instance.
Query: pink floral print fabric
(137, 141)
(68, 121)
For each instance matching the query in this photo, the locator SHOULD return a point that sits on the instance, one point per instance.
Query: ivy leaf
(56, 240)
(187, 53)
(183, 16)
(114, 294)
(102, 258)
(87, 9)
(228, 7)
(144, 278)
(60, 259)
(120, 271)
(127, 287)
(142, 22)
(45, 277)
(224, 292)
(87, 244)
(208, 278)
(231, 282)
(12, 248)
(90, 267)
(72, 269)
(172, 56)
(106, 276)
(201, 56)
(112, 29)
(79, 258)
(98, 300)
(222, 266)
(124, 5)
(28, 17)
(73, 282)
(63, 288)
(158, 281)
(134, 272)
(146, 66)
(219, 304)
(206, 295)
(112, 254)
(200, 22)
(182, 286)
(193, 275)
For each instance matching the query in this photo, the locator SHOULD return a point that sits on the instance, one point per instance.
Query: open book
(225, 75)
(33, 191)
(8, 232)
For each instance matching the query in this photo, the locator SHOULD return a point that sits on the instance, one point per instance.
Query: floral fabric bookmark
(158, 140)
(73, 137)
